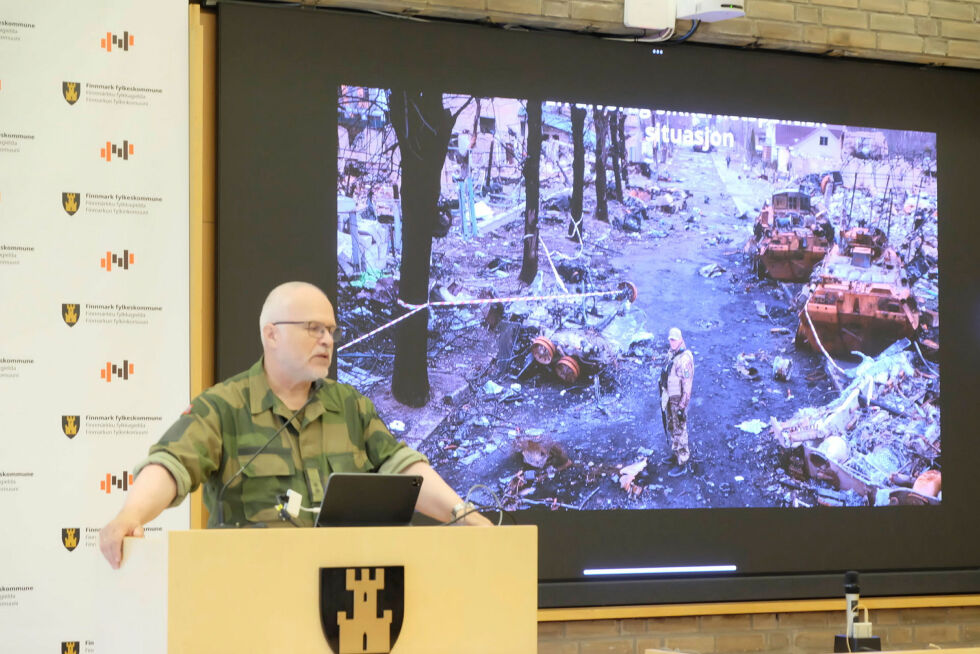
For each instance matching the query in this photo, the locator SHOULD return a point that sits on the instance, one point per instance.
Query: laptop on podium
(368, 499)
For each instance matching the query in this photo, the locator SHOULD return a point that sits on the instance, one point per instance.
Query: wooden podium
(465, 589)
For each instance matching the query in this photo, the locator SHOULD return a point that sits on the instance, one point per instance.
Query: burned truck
(790, 237)
(859, 298)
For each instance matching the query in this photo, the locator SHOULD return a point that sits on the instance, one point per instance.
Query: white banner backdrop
(94, 290)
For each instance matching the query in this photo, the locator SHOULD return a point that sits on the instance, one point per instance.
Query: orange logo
(121, 371)
(122, 482)
(125, 260)
(111, 150)
(126, 41)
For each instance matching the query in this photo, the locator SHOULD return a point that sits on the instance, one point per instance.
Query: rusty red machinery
(567, 367)
(860, 299)
(572, 354)
(790, 237)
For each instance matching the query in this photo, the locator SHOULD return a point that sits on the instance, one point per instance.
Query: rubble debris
(492, 388)
(627, 476)
(456, 396)
(744, 364)
(854, 444)
(507, 336)
(711, 270)
(350, 374)
(538, 452)
(754, 426)
(782, 367)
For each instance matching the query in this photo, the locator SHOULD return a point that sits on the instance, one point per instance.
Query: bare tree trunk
(615, 133)
(489, 178)
(423, 128)
(601, 121)
(532, 187)
(476, 136)
(576, 228)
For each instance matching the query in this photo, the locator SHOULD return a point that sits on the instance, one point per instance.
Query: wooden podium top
(259, 590)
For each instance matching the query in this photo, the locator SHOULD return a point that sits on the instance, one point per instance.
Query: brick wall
(943, 32)
(785, 633)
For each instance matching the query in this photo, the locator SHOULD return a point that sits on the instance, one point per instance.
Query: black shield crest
(70, 313)
(71, 91)
(71, 202)
(362, 609)
(69, 537)
(70, 425)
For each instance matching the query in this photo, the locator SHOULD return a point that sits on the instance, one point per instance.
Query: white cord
(547, 253)
(662, 35)
(466, 501)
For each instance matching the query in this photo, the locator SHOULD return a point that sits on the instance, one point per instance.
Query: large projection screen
(313, 132)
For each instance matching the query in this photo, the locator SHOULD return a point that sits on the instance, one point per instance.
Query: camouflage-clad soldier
(224, 427)
(337, 431)
(676, 380)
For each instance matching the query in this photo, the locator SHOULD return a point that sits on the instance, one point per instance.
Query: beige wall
(944, 32)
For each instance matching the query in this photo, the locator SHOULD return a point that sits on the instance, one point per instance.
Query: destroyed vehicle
(859, 298)
(816, 183)
(790, 238)
(877, 444)
(570, 355)
(600, 338)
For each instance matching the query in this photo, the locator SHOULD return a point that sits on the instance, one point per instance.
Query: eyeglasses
(315, 329)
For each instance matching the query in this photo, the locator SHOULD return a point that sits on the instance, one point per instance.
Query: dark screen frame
(278, 69)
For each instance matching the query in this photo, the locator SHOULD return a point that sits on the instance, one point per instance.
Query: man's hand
(111, 537)
(152, 491)
(475, 519)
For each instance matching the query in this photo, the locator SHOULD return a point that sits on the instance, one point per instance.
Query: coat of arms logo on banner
(71, 202)
(362, 609)
(72, 91)
(69, 537)
(70, 313)
(70, 425)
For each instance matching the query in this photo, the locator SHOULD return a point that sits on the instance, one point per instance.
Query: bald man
(337, 430)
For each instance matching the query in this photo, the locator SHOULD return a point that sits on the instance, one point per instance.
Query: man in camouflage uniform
(336, 429)
(676, 380)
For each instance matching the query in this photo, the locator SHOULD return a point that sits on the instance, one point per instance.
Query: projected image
(510, 272)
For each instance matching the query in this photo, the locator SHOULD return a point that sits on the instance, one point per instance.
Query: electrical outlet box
(709, 11)
(650, 14)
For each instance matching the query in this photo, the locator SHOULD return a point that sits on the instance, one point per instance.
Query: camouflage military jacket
(681, 376)
(225, 425)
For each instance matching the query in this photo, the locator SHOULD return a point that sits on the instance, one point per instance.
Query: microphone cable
(317, 385)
